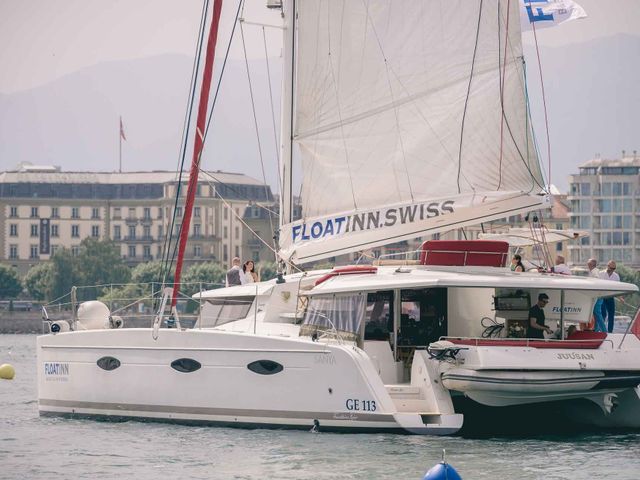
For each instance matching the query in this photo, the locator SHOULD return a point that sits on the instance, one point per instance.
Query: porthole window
(108, 363)
(265, 367)
(185, 365)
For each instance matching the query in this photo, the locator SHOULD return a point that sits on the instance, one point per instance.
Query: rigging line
(175, 250)
(393, 100)
(502, 78)
(544, 98)
(466, 100)
(241, 220)
(426, 121)
(273, 112)
(165, 265)
(255, 124)
(342, 133)
(526, 161)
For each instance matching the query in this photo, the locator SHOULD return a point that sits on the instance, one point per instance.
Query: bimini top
(437, 276)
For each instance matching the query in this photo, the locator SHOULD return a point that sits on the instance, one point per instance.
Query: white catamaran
(410, 119)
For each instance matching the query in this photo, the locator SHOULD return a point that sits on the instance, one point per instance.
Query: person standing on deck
(609, 303)
(234, 276)
(600, 326)
(536, 318)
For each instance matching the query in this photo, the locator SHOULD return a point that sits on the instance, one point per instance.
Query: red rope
(197, 149)
(502, 76)
(544, 98)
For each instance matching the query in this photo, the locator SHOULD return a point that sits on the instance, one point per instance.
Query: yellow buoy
(7, 372)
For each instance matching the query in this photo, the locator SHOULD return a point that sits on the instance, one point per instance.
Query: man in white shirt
(609, 303)
(593, 271)
(561, 267)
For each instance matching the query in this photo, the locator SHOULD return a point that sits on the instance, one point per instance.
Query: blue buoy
(442, 471)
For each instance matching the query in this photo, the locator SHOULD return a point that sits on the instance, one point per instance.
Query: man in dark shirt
(536, 318)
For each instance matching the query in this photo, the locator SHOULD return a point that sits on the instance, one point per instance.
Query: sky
(44, 40)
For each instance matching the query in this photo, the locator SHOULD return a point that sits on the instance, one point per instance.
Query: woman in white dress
(248, 272)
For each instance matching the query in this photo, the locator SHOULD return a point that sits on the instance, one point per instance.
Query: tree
(100, 263)
(206, 275)
(10, 286)
(63, 275)
(267, 270)
(38, 281)
(632, 301)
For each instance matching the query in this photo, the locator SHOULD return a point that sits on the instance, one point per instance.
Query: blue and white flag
(548, 13)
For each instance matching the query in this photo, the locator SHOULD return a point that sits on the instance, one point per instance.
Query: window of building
(132, 212)
(75, 251)
(34, 229)
(179, 211)
(95, 231)
(584, 241)
(34, 212)
(605, 222)
(197, 250)
(196, 212)
(237, 233)
(132, 251)
(147, 213)
(33, 251)
(225, 232)
(159, 251)
(13, 212)
(226, 213)
(585, 206)
(627, 220)
(196, 230)
(160, 231)
(132, 231)
(146, 231)
(75, 212)
(75, 231)
(225, 253)
(116, 232)
(627, 188)
(117, 213)
(585, 189)
(54, 249)
(146, 252)
(606, 189)
(559, 247)
(616, 188)
(54, 230)
(13, 251)
(237, 250)
(160, 212)
(198, 190)
(627, 205)
(95, 213)
(13, 230)
(54, 212)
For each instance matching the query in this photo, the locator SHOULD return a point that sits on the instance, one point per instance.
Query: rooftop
(626, 161)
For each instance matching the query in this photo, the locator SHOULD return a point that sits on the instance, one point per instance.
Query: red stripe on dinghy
(580, 340)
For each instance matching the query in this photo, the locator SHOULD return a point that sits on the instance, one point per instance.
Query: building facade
(42, 211)
(605, 200)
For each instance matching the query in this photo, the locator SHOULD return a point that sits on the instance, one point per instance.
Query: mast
(197, 149)
(286, 128)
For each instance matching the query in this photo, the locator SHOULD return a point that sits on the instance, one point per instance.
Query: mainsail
(410, 118)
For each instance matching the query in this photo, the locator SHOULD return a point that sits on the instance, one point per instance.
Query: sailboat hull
(236, 380)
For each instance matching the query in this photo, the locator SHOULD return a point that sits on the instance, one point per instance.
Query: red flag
(635, 327)
(122, 130)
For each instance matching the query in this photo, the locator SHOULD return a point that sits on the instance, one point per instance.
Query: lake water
(53, 448)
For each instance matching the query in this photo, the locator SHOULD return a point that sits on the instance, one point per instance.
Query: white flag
(548, 13)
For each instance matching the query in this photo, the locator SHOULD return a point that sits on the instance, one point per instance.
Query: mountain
(74, 121)
(591, 88)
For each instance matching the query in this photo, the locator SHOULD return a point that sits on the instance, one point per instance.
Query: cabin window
(186, 365)
(342, 314)
(224, 310)
(379, 316)
(108, 363)
(265, 367)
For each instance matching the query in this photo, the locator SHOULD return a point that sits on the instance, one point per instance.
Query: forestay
(399, 120)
